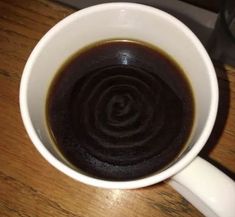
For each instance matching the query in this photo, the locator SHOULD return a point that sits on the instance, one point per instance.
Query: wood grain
(29, 186)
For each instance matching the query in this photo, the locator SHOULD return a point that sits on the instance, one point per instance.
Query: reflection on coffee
(120, 109)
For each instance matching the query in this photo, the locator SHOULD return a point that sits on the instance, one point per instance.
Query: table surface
(29, 186)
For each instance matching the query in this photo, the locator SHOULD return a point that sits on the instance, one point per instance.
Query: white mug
(207, 188)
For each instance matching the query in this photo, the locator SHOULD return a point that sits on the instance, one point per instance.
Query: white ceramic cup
(207, 188)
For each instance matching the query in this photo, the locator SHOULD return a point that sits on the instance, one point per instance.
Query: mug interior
(117, 21)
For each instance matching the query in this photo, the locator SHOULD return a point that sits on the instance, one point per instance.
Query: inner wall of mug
(121, 21)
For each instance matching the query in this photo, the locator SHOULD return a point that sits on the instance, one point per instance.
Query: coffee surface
(120, 110)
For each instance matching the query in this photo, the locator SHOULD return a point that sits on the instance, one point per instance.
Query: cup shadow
(222, 115)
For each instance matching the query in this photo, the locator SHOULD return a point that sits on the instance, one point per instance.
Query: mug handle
(207, 188)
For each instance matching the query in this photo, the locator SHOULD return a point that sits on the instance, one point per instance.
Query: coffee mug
(207, 188)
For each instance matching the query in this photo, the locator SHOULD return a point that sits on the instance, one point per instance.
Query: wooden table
(29, 186)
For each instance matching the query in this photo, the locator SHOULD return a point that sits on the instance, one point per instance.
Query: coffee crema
(120, 109)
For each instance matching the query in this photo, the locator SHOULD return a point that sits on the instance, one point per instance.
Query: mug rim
(141, 182)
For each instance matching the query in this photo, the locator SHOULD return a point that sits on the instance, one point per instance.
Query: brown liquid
(120, 110)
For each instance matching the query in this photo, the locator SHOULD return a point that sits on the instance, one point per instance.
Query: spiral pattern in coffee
(120, 110)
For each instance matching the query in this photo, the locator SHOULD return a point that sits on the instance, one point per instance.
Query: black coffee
(120, 110)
